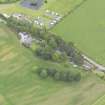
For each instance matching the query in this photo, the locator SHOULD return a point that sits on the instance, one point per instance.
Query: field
(19, 84)
(100, 101)
(86, 28)
(7, 1)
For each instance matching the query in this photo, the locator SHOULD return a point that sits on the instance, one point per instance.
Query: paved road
(98, 66)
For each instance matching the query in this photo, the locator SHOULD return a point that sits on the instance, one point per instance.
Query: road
(98, 66)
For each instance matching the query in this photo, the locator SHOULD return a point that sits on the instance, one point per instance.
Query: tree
(70, 76)
(64, 75)
(45, 1)
(43, 73)
(51, 71)
(67, 76)
(44, 53)
(77, 58)
(77, 76)
(57, 76)
(56, 56)
(52, 43)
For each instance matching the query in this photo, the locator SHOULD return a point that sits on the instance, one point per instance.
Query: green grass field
(100, 101)
(19, 85)
(86, 28)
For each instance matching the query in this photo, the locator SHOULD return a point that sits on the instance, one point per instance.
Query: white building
(25, 39)
(5, 15)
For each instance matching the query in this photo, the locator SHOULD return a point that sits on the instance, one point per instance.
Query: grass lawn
(19, 85)
(86, 28)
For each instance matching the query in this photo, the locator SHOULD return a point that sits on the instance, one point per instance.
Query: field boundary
(71, 11)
